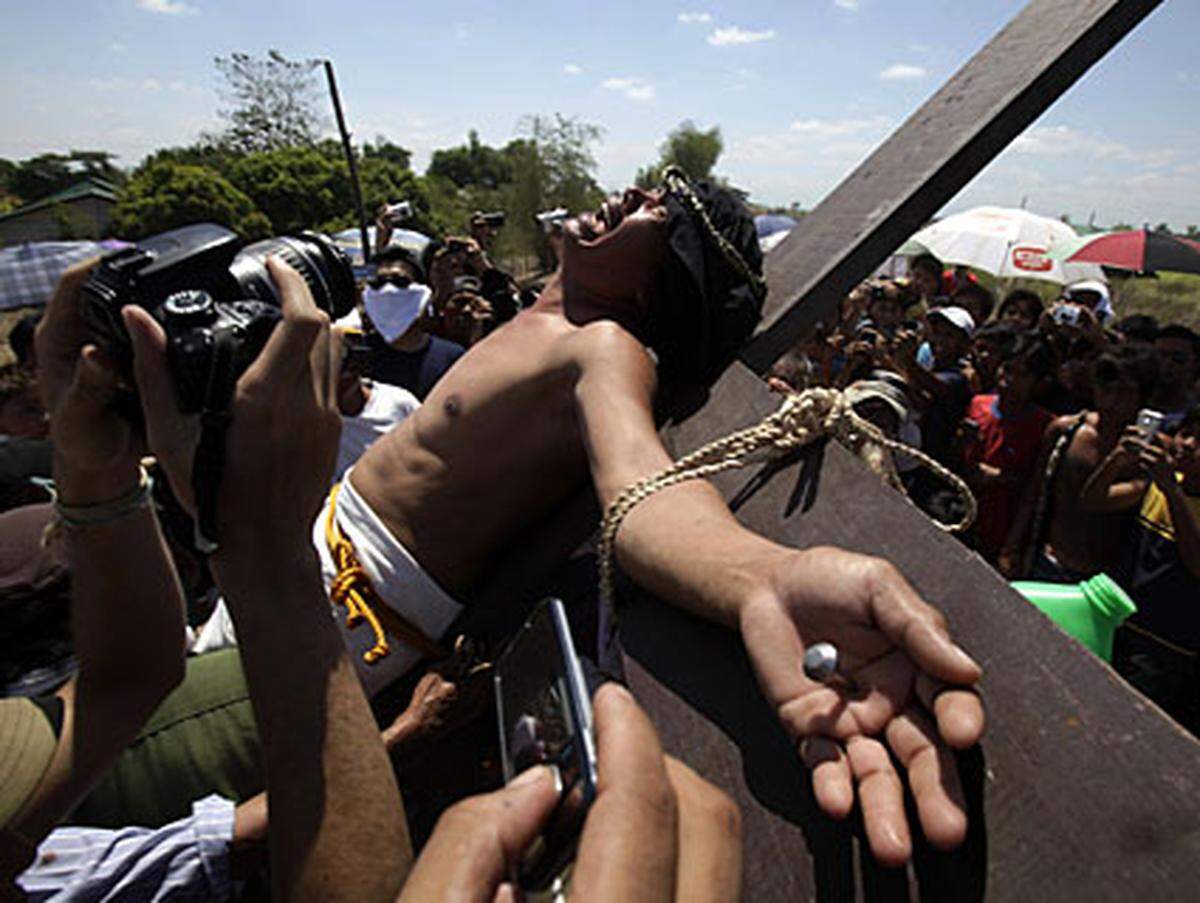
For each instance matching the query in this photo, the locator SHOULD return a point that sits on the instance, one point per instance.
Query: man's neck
(414, 339)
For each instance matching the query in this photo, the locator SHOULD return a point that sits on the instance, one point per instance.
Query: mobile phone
(545, 717)
(395, 214)
(1066, 315)
(1149, 422)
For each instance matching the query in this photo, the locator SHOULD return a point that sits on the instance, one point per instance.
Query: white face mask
(393, 309)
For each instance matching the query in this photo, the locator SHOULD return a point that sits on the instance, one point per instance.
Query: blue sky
(802, 90)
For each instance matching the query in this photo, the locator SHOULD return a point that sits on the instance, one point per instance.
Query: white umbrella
(1007, 243)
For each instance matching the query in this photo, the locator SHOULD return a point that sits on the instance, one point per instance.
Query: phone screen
(545, 718)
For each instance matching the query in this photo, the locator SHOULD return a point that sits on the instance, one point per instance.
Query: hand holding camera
(78, 383)
(282, 438)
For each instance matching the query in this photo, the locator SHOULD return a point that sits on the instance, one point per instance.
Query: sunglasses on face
(400, 280)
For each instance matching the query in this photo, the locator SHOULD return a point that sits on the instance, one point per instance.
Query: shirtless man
(566, 388)
(1075, 543)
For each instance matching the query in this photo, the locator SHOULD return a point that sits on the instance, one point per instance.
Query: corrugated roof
(90, 187)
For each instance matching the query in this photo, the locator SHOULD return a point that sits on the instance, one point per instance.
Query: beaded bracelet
(107, 512)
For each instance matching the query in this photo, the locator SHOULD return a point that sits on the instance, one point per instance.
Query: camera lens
(317, 259)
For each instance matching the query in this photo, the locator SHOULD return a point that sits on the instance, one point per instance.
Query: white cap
(1089, 285)
(957, 317)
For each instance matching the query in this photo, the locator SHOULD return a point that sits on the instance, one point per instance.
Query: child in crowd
(1002, 442)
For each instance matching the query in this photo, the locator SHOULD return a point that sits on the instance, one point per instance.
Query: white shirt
(386, 406)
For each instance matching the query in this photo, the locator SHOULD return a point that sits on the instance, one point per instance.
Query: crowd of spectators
(220, 732)
(1036, 405)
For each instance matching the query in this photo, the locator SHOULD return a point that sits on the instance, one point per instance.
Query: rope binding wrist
(802, 418)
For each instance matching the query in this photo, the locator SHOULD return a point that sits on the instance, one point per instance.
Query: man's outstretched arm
(684, 545)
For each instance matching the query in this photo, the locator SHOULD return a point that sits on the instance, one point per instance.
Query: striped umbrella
(1138, 250)
(29, 272)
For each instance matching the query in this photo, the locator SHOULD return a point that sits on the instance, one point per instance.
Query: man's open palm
(899, 673)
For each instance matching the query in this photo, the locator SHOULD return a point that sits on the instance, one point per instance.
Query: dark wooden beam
(931, 157)
(1081, 789)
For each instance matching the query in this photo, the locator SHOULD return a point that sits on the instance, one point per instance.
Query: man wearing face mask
(395, 301)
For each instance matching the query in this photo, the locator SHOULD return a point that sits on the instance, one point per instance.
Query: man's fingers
(150, 371)
(95, 379)
(833, 784)
(287, 353)
(933, 778)
(628, 847)
(710, 839)
(918, 629)
(881, 796)
(479, 840)
(959, 713)
(63, 307)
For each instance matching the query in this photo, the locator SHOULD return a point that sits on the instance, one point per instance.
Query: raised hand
(909, 689)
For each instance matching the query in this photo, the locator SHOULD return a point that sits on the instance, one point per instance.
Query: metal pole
(350, 161)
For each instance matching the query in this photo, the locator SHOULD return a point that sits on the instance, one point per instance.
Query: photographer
(127, 620)
(337, 822)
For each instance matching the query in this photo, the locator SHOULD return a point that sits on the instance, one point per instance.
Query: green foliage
(167, 194)
(471, 164)
(295, 187)
(73, 225)
(273, 102)
(383, 149)
(691, 149)
(1168, 297)
(205, 152)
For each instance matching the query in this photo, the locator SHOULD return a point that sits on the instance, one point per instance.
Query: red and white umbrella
(1138, 250)
(1006, 242)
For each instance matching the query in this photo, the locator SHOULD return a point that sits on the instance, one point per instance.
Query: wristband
(107, 512)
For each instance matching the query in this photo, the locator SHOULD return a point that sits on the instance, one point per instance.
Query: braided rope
(802, 418)
(677, 182)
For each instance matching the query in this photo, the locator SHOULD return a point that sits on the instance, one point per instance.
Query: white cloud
(902, 72)
(831, 128)
(851, 5)
(633, 88)
(167, 7)
(572, 69)
(1063, 140)
(723, 37)
(151, 84)
(117, 47)
(689, 18)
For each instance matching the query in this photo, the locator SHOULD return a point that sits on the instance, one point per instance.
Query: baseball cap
(878, 389)
(956, 317)
(27, 744)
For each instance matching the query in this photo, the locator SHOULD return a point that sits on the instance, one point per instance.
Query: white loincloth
(398, 579)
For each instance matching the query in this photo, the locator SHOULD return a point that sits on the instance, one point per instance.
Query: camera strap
(208, 464)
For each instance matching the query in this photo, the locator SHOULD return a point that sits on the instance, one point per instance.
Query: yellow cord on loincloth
(802, 418)
(352, 588)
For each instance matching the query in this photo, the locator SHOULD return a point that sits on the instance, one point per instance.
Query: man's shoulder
(605, 343)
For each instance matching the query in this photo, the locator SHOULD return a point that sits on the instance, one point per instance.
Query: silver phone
(545, 717)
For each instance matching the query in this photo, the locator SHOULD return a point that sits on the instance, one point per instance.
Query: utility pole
(350, 161)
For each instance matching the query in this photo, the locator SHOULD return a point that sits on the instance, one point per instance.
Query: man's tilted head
(710, 292)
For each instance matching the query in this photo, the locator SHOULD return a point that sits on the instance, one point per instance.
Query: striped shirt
(187, 859)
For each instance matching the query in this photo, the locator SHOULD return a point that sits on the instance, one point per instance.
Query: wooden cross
(1081, 789)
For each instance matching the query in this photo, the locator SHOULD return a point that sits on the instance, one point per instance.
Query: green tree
(693, 150)
(273, 102)
(1164, 228)
(167, 195)
(383, 149)
(1193, 232)
(473, 164)
(295, 187)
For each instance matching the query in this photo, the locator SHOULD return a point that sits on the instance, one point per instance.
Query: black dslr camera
(214, 298)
